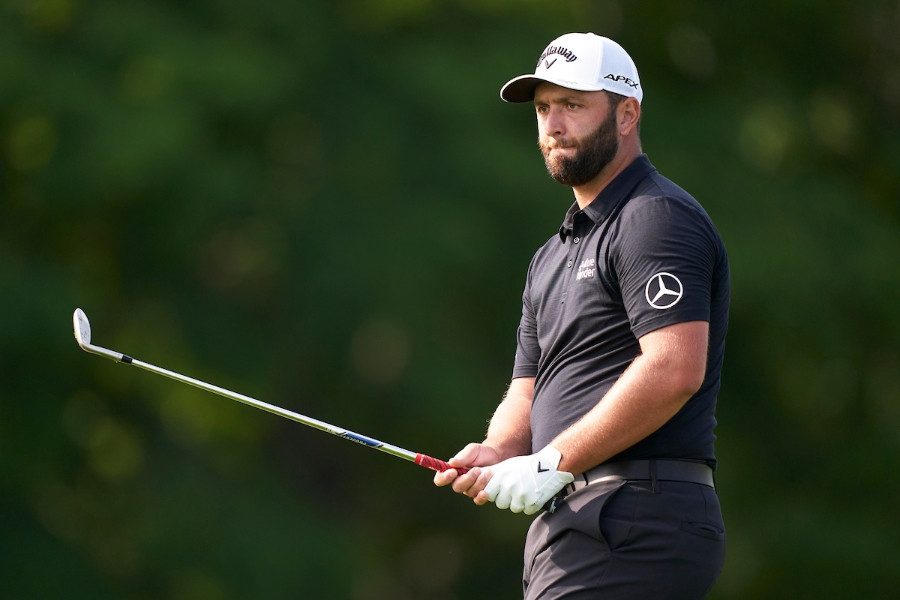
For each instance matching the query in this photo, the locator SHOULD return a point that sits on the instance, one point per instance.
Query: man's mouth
(561, 150)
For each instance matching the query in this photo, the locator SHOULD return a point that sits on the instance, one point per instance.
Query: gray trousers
(627, 539)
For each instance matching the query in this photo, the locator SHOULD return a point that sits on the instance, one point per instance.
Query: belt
(645, 470)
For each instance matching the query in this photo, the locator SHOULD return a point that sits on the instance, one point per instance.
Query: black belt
(646, 470)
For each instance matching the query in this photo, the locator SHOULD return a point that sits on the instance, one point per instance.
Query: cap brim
(521, 88)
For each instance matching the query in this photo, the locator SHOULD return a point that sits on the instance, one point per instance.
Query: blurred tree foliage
(324, 204)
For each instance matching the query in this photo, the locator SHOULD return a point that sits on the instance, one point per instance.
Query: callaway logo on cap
(579, 61)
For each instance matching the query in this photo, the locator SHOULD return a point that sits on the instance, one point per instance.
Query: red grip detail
(436, 465)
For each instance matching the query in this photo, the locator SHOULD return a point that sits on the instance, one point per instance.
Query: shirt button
(569, 264)
(576, 240)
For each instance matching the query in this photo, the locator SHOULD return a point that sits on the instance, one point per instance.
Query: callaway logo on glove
(526, 483)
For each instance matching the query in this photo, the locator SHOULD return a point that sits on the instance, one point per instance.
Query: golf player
(606, 429)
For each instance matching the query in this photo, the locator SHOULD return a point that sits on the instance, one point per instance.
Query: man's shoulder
(657, 196)
(657, 186)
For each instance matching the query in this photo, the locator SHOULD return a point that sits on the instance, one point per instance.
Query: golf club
(83, 337)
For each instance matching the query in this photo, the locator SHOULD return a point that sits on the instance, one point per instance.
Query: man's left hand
(526, 483)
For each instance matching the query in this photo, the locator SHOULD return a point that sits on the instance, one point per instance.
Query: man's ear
(628, 115)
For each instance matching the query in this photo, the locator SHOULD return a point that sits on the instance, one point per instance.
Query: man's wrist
(507, 449)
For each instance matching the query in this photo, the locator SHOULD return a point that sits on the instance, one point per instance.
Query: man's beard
(594, 152)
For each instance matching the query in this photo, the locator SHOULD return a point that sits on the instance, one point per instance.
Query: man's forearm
(649, 393)
(627, 414)
(509, 431)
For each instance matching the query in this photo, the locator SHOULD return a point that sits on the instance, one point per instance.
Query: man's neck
(585, 194)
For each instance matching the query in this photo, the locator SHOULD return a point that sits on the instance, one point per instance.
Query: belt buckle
(554, 502)
(550, 507)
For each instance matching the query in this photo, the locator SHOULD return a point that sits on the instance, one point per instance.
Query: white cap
(579, 61)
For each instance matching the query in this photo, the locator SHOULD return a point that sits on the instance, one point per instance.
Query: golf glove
(526, 483)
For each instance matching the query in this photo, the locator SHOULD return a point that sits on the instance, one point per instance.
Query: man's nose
(554, 124)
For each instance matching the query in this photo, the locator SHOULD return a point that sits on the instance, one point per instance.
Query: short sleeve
(664, 256)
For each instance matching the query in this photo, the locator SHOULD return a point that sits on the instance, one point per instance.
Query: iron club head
(82, 328)
(83, 337)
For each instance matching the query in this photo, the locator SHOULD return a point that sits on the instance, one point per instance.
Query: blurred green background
(324, 204)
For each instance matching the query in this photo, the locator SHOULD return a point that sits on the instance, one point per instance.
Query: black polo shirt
(643, 255)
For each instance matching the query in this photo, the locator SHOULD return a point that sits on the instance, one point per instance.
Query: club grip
(436, 465)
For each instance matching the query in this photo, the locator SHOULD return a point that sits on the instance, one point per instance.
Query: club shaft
(422, 460)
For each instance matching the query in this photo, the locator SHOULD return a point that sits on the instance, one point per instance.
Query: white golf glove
(526, 483)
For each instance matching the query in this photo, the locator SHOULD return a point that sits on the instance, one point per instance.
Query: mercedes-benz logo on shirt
(663, 291)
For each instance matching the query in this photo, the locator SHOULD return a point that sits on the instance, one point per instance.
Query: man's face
(577, 133)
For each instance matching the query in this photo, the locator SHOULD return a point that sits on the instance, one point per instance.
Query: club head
(82, 328)
(83, 337)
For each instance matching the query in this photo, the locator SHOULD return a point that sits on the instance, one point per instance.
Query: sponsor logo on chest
(587, 268)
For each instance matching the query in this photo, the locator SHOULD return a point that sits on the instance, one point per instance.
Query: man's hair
(614, 99)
